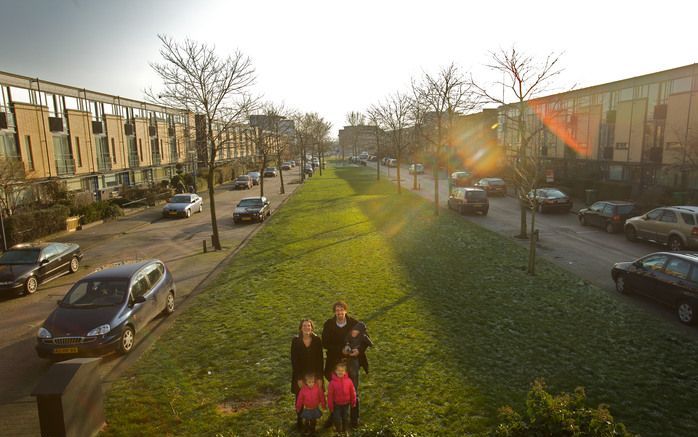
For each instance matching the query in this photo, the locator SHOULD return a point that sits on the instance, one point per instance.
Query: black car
(105, 310)
(670, 278)
(24, 266)
(469, 199)
(549, 199)
(252, 209)
(493, 186)
(608, 214)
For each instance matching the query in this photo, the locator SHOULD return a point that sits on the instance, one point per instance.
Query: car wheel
(582, 220)
(621, 284)
(236, 221)
(128, 337)
(630, 233)
(74, 264)
(31, 285)
(169, 304)
(610, 228)
(686, 313)
(675, 243)
(188, 213)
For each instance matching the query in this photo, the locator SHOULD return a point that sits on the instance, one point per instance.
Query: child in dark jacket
(340, 395)
(310, 397)
(354, 351)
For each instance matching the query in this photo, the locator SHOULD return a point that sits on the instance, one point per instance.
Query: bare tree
(394, 113)
(442, 98)
(354, 119)
(378, 130)
(524, 78)
(196, 79)
(12, 182)
(311, 132)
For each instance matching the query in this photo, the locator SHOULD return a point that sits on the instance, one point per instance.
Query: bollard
(69, 399)
(205, 250)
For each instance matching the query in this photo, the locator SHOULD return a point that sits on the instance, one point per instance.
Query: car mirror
(139, 299)
(58, 302)
(43, 261)
(638, 264)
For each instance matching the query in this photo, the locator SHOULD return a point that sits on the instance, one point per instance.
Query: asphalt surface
(587, 252)
(146, 234)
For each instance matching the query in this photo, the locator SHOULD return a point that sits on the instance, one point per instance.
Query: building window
(140, 148)
(681, 85)
(673, 145)
(8, 148)
(78, 153)
(113, 151)
(621, 146)
(28, 152)
(615, 172)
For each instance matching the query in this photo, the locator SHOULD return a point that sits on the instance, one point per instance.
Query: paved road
(178, 242)
(587, 252)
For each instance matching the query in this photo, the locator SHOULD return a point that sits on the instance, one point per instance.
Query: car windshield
(552, 193)
(250, 203)
(243, 178)
(96, 293)
(180, 199)
(475, 195)
(495, 181)
(270, 169)
(254, 174)
(20, 256)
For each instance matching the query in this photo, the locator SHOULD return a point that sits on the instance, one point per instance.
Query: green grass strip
(459, 328)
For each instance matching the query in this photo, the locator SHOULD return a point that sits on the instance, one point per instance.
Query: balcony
(65, 166)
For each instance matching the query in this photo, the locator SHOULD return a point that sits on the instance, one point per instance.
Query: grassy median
(459, 328)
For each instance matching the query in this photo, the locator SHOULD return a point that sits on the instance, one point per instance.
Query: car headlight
(100, 330)
(7, 283)
(43, 333)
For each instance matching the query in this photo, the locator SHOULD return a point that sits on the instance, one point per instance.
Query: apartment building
(641, 131)
(356, 139)
(97, 142)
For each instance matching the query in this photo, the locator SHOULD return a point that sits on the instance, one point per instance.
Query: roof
(26, 246)
(122, 270)
(693, 209)
(688, 256)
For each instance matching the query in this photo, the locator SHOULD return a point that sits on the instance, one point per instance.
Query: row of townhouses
(96, 142)
(640, 132)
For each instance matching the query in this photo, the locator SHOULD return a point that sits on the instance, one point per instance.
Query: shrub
(35, 224)
(101, 210)
(558, 416)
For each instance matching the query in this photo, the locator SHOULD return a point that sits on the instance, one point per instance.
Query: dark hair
(340, 303)
(300, 326)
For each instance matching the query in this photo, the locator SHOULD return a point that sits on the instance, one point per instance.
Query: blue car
(105, 311)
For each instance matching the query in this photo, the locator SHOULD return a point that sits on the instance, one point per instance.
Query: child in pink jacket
(340, 395)
(310, 397)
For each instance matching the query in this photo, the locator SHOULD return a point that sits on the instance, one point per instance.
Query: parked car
(668, 277)
(469, 199)
(255, 175)
(461, 178)
(549, 199)
(391, 162)
(493, 186)
(252, 209)
(675, 226)
(308, 170)
(243, 182)
(608, 214)
(416, 169)
(183, 205)
(286, 166)
(25, 266)
(270, 172)
(106, 310)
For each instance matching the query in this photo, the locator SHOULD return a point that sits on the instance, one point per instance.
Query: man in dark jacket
(335, 332)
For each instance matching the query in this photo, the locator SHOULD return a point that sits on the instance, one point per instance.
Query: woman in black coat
(306, 356)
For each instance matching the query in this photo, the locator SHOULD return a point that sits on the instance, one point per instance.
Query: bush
(558, 416)
(35, 224)
(101, 210)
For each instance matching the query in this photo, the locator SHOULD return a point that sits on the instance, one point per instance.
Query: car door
(157, 293)
(140, 310)
(50, 262)
(644, 278)
(646, 227)
(667, 222)
(673, 281)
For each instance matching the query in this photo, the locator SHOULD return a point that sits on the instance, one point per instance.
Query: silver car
(675, 226)
(183, 205)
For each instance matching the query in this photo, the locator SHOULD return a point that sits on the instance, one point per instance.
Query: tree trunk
(436, 180)
(261, 175)
(215, 240)
(399, 184)
(281, 176)
(532, 245)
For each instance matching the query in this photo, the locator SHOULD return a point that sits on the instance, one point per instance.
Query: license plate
(65, 350)
(173, 213)
(246, 218)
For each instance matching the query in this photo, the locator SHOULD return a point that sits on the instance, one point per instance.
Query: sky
(333, 56)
